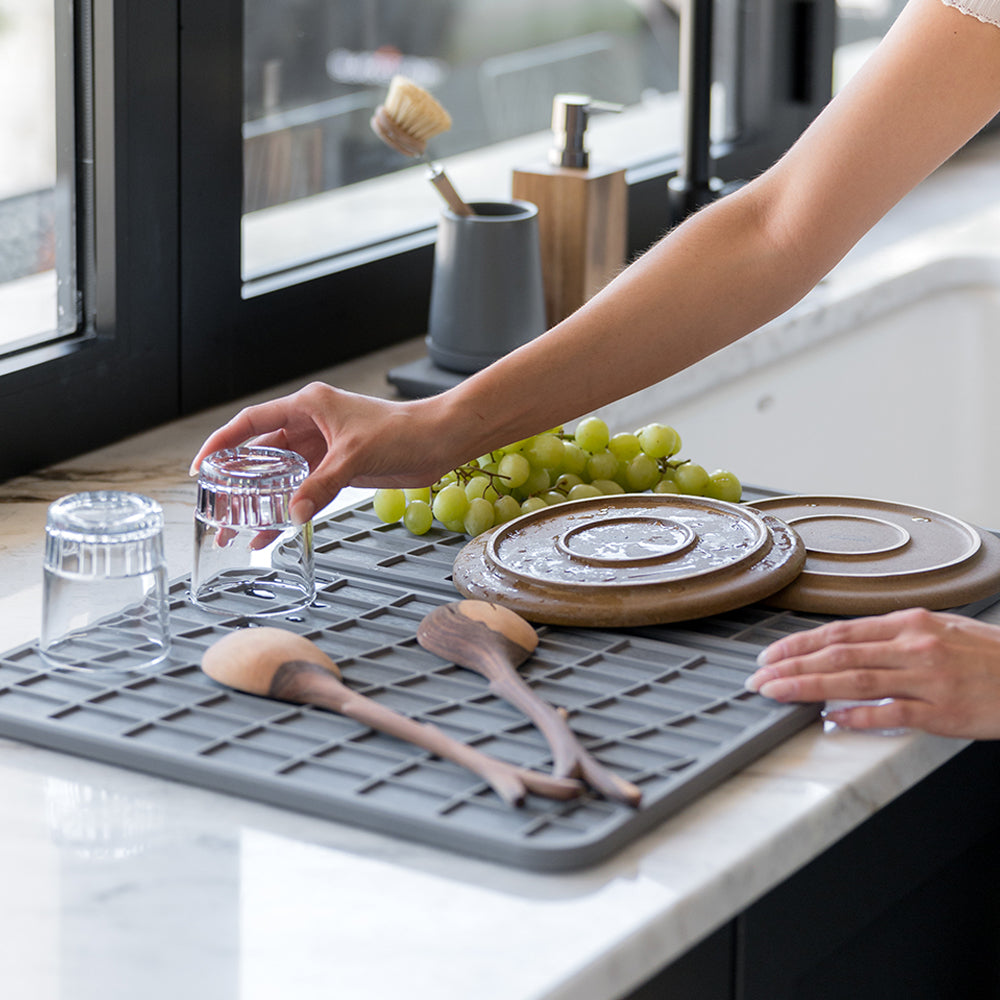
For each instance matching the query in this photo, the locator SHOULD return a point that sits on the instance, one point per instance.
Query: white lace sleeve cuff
(985, 10)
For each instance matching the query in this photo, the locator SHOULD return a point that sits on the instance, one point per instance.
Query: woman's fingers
(893, 641)
(868, 683)
(873, 629)
(285, 422)
(244, 426)
(825, 653)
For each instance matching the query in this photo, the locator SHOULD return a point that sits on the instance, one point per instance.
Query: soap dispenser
(582, 210)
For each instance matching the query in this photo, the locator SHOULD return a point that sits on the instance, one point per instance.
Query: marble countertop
(121, 884)
(118, 884)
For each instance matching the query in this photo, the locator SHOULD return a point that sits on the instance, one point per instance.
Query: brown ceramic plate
(630, 559)
(868, 556)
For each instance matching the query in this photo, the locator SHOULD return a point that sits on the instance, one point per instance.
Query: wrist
(473, 418)
(442, 427)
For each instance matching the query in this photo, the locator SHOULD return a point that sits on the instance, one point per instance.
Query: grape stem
(466, 473)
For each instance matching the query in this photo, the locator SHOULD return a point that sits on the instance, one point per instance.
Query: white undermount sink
(882, 383)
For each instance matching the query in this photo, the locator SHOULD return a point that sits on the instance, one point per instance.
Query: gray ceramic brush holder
(486, 296)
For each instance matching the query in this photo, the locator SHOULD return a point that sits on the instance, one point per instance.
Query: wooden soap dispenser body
(582, 210)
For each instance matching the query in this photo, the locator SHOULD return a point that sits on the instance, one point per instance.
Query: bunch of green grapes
(551, 468)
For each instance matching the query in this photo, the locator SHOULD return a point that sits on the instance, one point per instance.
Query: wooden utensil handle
(508, 781)
(306, 682)
(507, 784)
(490, 640)
(561, 739)
(570, 757)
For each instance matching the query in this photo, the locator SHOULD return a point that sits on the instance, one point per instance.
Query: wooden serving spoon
(494, 641)
(275, 663)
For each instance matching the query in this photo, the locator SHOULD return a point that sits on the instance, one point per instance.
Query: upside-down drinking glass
(249, 558)
(104, 599)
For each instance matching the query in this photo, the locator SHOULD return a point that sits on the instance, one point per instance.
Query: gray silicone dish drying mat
(664, 706)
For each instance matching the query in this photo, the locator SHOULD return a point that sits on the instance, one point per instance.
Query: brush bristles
(415, 111)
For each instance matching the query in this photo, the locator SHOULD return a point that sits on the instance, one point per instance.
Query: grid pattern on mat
(664, 707)
(356, 542)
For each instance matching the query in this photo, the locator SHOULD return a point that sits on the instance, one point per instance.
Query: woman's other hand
(942, 672)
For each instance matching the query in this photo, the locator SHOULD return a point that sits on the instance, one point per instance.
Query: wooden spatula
(494, 641)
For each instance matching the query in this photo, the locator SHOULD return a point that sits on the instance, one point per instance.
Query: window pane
(318, 181)
(35, 196)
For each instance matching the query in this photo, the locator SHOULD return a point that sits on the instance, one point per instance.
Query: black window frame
(165, 327)
(117, 373)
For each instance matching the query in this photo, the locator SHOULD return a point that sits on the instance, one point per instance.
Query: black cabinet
(906, 906)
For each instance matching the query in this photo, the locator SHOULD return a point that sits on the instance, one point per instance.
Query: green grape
(592, 434)
(602, 465)
(583, 490)
(567, 481)
(607, 486)
(554, 466)
(515, 469)
(479, 517)
(574, 458)
(624, 446)
(642, 473)
(515, 446)
(423, 493)
(506, 508)
(691, 478)
(389, 505)
(723, 485)
(450, 504)
(457, 525)
(621, 477)
(538, 481)
(476, 487)
(659, 440)
(418, 517)
(545, 452)
(495, 490)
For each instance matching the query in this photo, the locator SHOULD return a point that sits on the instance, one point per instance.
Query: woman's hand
(347, 439)
(942, 672)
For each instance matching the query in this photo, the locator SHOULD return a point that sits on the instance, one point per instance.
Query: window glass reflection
(28, 171)
(316, 179)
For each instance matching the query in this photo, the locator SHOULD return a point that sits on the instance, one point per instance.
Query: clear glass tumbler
(837, 706)
(105, 597)
(249, 558)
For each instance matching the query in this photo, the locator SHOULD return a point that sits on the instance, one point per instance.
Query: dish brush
(405, 121)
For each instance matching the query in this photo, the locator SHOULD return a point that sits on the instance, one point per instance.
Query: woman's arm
(933, 82)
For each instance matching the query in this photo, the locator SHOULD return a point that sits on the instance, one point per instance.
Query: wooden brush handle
(440, 180)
